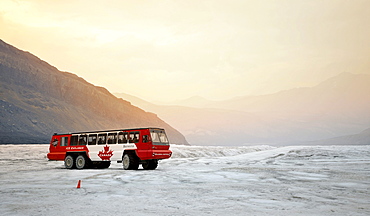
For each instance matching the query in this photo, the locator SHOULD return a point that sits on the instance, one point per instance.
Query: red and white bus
(96, 149)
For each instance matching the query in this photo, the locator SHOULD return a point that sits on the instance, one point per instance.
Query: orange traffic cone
(79, 184)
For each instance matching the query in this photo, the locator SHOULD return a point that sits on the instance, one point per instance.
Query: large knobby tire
(130, 162)
(69, 162)
(81, 162)
(150, 164)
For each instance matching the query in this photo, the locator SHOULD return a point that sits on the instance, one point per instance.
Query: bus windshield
(158, 136)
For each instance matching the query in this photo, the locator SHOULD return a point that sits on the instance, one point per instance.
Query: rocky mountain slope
(36, 100)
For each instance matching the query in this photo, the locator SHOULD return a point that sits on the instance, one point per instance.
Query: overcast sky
(170, 50)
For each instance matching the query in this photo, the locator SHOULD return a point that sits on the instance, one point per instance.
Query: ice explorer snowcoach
(96, 149)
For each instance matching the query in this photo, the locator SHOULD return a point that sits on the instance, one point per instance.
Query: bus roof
(107, 131)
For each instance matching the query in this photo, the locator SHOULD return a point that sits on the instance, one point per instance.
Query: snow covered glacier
(197, 180)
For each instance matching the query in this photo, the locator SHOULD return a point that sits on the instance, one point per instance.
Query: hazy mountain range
(37, 100)
(337, 107)
(362, 138)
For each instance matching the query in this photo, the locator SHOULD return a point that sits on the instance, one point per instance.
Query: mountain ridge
(337, 106)
(37, 100)
(362, 138)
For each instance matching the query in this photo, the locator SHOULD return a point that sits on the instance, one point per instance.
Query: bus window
(112, 138)
(82, 140)
(102, 139)
(159, 137)
(122, 137)
(91, 139)
(134, 137)
(145, 138)
(163, 137)
(74, 140)
(155, 137)
(64, 141)
(55, 142)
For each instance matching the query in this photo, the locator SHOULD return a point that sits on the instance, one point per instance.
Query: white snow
(197, 180)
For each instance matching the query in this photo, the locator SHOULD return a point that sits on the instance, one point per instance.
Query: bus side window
(102, 139)
(82, 140)
(134, 137)
(64, 141)
(122, 137)
(74, 140)
(112, 138)
(145, 138)
(91, 139)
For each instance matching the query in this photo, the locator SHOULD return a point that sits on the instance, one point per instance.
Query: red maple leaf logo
(106, 154)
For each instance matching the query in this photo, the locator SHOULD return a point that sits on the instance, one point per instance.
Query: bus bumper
(154, 154)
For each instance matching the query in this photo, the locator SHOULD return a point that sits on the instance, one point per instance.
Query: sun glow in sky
(175, 49)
